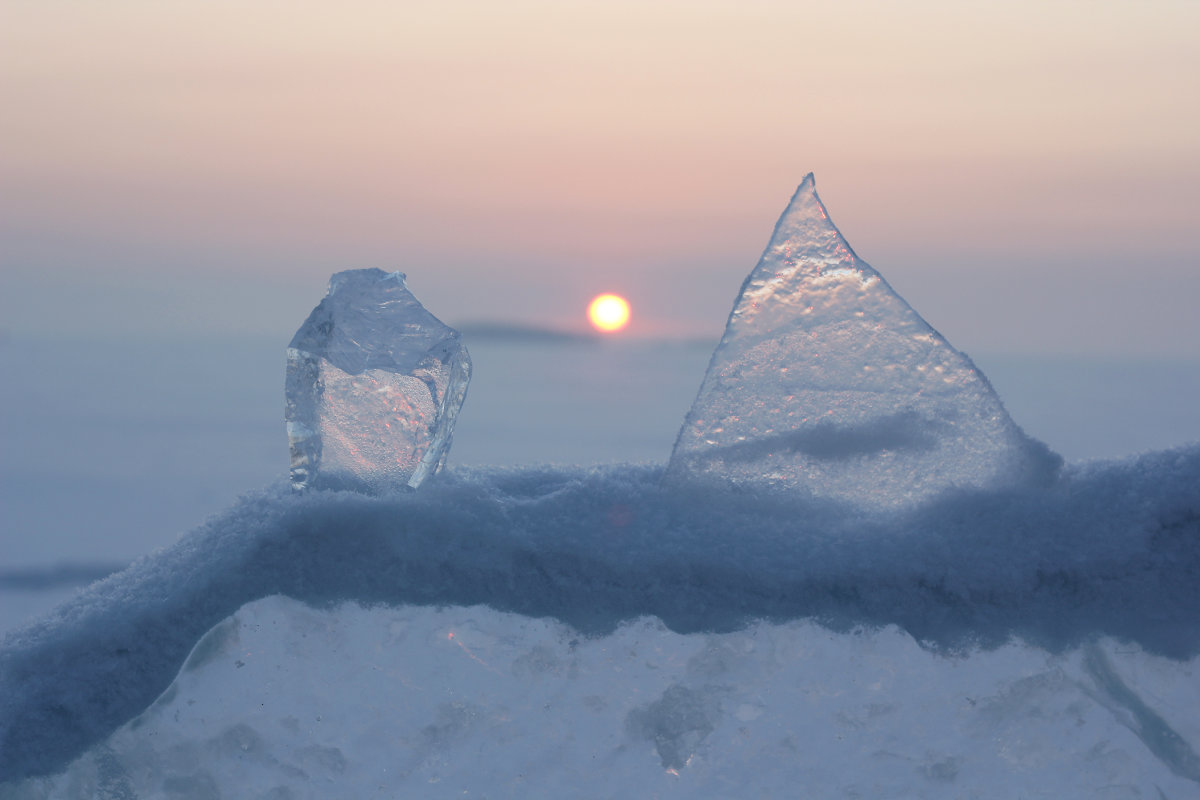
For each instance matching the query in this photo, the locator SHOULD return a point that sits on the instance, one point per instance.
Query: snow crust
(1111, 549)
(827, 380)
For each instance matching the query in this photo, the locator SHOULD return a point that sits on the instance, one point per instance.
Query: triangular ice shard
(827, 382)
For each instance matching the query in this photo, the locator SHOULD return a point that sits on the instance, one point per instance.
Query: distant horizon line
(518, 333)
(509, 332)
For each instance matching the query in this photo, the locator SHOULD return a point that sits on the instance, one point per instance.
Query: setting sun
(608, 312)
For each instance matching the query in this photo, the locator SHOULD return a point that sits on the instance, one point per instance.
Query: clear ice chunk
(374, 383)
(827, 382)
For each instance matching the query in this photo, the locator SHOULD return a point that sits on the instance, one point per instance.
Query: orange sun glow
(608, 312)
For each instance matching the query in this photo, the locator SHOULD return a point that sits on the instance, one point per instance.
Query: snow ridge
(1112, 548)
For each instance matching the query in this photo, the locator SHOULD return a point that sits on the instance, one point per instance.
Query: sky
(1026, 174)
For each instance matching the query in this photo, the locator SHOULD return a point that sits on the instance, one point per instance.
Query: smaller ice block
(374, 383)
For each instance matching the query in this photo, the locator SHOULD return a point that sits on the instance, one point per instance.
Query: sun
(608, 312)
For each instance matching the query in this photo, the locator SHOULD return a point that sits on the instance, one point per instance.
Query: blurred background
(179, 180)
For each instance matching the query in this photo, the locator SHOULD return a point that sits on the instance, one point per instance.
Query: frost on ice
(374, 383)
(827, 382)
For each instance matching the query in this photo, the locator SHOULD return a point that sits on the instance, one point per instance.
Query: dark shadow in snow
(1109, 549)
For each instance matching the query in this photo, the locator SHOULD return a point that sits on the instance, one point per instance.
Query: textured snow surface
(1110, 550)
(286, 701)
(374, 384)
(827, 381)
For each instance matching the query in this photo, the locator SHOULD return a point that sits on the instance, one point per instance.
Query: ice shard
(827, 382)
(374, 383)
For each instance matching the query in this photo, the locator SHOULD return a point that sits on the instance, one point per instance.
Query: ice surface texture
(827, 382)
(283, 700)
(374, 383)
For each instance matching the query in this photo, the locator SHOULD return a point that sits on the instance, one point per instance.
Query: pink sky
(1025, 173)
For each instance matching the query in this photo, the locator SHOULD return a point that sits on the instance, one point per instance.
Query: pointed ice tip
(807, 188)
(805, 205)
